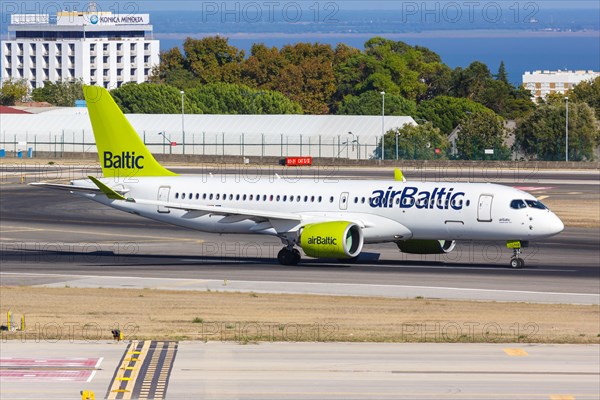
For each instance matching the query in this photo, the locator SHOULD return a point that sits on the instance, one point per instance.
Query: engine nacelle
(417, 246)
(336, 239)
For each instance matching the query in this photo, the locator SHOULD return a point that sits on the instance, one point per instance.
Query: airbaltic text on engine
(123, 160)
(409, 197)
(327, 240)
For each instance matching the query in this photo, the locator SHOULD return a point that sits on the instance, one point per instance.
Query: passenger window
(204, 196)
(362, 200)
(291, 199)
(244, 198)
(277, 198)
(230, 197)
(264, 197)
(298, 198)
(355, 200)
(312, 199)
(285, 198)
(211, 196)
(320, 198)
(306, 199)
(517, 204)
(197, 196)
(176, 195)
(218, 196)
(237, 197)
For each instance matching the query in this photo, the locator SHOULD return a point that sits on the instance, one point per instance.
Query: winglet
(111, 194)
(398, 175)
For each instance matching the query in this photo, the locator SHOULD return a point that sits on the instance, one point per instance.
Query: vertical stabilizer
(120, 149)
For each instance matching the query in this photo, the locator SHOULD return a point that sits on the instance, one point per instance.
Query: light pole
(352, 134)
(168, 140)
(382, 124)
(396, 146)
(567, 131)
(182, 120)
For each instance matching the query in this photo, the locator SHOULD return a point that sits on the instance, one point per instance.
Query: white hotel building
(543, 83)
(100, 48)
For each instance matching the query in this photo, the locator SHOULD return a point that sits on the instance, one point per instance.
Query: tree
(212, 60)
(481, 131)
(216, 98)
(149, 98)
(543, 134)
(502, 76)
(369, 103)
(61, 94)
(12, 91)
(588, 92)
(415, 142)
(446, 112)
(223, 98)
(469, 82)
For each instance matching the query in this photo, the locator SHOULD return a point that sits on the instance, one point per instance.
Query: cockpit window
(517, 204)
(536, 204)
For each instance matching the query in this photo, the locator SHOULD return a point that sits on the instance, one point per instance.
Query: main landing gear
(288, 256)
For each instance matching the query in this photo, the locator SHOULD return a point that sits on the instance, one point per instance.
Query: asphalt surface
(57, 237)
(289, 370)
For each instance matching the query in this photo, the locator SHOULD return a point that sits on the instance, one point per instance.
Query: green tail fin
(120, 149)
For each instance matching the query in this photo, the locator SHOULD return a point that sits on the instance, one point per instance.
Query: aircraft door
(484, 208)
(344, 201)
(163, 195)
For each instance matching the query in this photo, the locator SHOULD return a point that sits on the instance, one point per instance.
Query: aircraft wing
(73, 188)
(226, 211)
(70, 188)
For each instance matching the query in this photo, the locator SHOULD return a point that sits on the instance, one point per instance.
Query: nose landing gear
(515, 260)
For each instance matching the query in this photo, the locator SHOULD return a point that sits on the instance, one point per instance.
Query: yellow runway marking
(542, 197)
(515, 352)
(561, 397)
(116, 386)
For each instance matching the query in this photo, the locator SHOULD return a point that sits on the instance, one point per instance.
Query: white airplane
(324, 219)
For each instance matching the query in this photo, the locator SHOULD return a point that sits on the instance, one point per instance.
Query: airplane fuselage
(388, 210)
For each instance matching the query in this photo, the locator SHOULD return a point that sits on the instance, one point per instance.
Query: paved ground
(325, 371)
(49, 237)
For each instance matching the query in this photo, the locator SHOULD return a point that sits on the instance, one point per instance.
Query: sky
(163, 5)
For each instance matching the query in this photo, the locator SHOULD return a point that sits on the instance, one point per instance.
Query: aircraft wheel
(287, 257)
(516, 263)
(296, 256)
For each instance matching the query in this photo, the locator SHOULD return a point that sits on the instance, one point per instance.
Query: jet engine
(336, 239)
(417, 246)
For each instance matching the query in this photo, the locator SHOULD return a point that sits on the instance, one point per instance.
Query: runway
(51, 237)
(306, 371)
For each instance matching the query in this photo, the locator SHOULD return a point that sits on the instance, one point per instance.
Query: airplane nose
(555, 225)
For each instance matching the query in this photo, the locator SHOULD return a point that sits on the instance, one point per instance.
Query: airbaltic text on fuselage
(123, 160)
(410, 196)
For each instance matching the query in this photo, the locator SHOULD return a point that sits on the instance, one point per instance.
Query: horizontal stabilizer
(111, 194)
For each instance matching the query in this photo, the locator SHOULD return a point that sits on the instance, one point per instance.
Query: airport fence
(197, 143)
